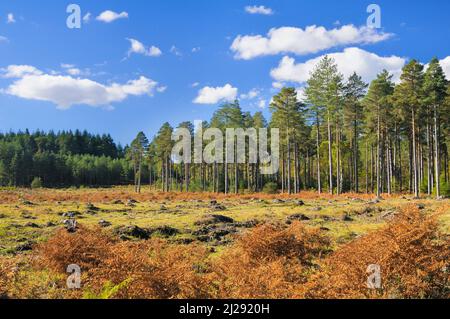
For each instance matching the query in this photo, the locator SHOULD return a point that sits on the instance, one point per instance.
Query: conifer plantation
(341, 135)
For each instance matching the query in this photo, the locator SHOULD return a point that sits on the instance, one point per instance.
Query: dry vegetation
(274, 259)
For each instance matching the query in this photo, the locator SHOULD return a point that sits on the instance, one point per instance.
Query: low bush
(412, 254)
(36, 183)
(270, 188)
(268, 262)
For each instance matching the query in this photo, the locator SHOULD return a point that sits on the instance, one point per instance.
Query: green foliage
(108, 292)
(270, 188)
(61, 159)
(445, 188)
(36, 183)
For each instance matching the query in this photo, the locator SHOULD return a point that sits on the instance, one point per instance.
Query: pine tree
(434, 90)
(354, 92)
(376, 104)
(408, 96)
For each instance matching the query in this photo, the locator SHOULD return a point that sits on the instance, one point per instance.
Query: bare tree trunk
(436, 154)
(338, 161)
(163, 179)
(388, 167)
(378, 161)
(428, 159)
(296, 169)
(330, 156)
(367, 168)
(414, 151)
(226, 176)
(283, 174)
(319, 185)
(356, 157)
(289, 165)
(186, 176)
(371, 168)
(236, 171)
(140, 174)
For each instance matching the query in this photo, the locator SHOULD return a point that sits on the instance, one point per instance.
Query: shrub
(36, 183)
(270, 188)
(154, 270)
(411, 252)
(268, 262)
(86, 248)
(445, 187)
(6, 266)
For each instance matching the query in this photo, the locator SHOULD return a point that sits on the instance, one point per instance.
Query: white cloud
(258, 10)
(262, 104)
(445, 63)
(66, 91)
(175, 51)
(161, 89)
(74, 71)
(300, 94)
(366, 64)
(277, 85)
(67, 65)
(18, 71)
(139, 48)
(154, 51)
(3, 39)
(87, 17)
(253, 93)
(213, 95)
(195, 84)
(10, 18)
(109, 16)
(299, 41)
(195, 50)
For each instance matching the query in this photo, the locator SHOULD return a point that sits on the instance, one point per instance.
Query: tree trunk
(289, 165)
(367, 168)
(338, 161)
(436, 153)
(319, 186)
(414, 151)
(330, 156)
(378, 161)
(356, 156)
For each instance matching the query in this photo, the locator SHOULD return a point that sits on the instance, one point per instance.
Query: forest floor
(29, 218)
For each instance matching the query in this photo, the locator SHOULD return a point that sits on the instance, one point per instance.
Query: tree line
(61, 159)
(344, 135)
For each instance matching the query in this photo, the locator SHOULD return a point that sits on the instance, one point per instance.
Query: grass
(21, 221)
(259, 255)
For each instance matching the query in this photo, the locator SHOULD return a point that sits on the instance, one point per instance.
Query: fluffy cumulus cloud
(109, 16)
(299, 41)
(138, 47)
(66, 91)
(366, 64)
(213, 95)
(258, 10)
(18, 71)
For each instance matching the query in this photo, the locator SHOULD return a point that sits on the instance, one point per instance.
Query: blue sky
(185, 75)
